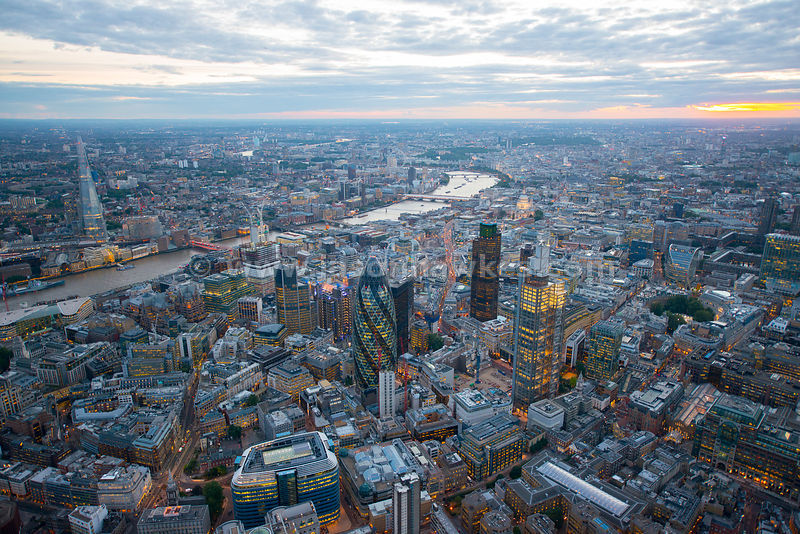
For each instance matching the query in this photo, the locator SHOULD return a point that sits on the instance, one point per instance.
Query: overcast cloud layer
(392, 59)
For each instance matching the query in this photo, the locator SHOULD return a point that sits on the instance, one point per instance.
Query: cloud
(751, 107)
(193, 58)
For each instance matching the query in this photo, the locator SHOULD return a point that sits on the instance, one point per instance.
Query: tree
(516, 472)
(5, 359)
(674, 321)
(186, 367)
(538, 446)
(235, 432)
(657, 308)
(435, 342)
(191, 467)
(517, 530)
(538, 215)
(212, 491)
(252, 400)
(197, 491)
(348, 381)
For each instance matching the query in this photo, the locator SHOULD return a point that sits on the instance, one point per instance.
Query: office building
(187, 519)
(639, 250)
(222, 291)
(405, 504)
(768, 216)
(667, 232)
(602, 354)
(538, 332)
(681, 264)
(419, 337)
(335, 309)
(123, 489)
(750, 440)
(386, 394)
(780, 264)
(650, 409)
(92, 220)
(485, 281)
(291, 378)
(298, 519)
(251, 309)
(374, 327)
(272, 335)
(574, 347)
(284, 472)
(87, 519)
(259, 261)
(795, 224)
(292, 301)
(403, 296)
(491, 446)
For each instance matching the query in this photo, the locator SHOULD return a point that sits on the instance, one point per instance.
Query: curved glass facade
(374, 326)
(285, 472)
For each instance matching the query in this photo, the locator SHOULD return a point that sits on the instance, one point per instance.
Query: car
(180, 449)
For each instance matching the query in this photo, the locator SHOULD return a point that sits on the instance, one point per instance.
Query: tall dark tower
(485, 283)
(374, 327)
(412, 175)
(403, 296)
(769, 212)
(795, 228)
(292, 301)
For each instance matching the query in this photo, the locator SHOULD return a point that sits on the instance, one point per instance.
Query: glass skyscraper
(94, 224)
(538, 332)
(292, 300)
(403, 295)
(374, 326)
(485, 282)
(602, 356)
(221, 292)
(682, 263)
(780, 264)
(284, 472)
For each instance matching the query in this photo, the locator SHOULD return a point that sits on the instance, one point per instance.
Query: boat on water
(125, 266)
(33, 286)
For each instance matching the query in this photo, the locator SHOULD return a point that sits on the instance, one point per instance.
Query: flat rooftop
(284, 453)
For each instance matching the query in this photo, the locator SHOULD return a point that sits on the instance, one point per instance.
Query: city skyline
(326, 60)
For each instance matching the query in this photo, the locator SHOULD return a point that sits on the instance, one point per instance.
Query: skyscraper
(538, 331)
(403, 296)
(221, 292)
(795, 226)
(412, 175)
(485, 283)
(334, 309)
(386, 391)
(292, 301)
(769, 213)
(681, 264)
(284, 472)
(259, 262)
(374, 326)
(602, 356)
(405, 504)
(92, 220)
(780, 264)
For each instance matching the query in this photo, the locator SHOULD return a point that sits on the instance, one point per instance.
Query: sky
(396, 59)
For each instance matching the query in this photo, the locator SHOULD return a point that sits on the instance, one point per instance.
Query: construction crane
(256, 224)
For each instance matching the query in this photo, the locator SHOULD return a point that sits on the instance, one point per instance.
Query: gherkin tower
(374, 326)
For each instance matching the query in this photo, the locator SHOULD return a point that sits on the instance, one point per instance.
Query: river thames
(462, 184)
